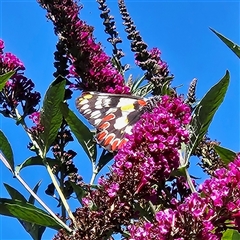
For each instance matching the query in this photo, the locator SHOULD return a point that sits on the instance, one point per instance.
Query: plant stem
(42, 155)
(189, 180)
(94, 174)
(64, 202)
(42, 203)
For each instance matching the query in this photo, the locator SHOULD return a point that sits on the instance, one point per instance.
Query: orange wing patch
(104, 125)
(122, 142)
(109, 139)
(115, 144)
(101, 136)
(142, 102)
(108, 117)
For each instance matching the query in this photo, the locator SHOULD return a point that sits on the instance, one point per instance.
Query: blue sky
(179, 29)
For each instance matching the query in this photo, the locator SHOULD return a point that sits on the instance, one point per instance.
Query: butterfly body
(113, 115)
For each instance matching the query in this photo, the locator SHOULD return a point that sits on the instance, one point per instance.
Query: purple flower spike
(89, 63)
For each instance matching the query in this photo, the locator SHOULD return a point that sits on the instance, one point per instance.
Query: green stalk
(42, 154)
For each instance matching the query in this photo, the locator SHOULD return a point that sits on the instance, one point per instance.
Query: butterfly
(113, 115)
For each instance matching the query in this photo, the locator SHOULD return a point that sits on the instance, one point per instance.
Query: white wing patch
(102, 102)
(84, 107)
(96, 114)
(87, 111)
(125, 101)
(128, 129)
(111, 110)
(121, 122)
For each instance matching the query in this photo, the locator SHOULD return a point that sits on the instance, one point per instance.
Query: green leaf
(35, 189)
(143, 212)
(144, 90)
(79, 191)
(233, 46)
(231, 234)
(136, 84)
(34, 230)
(204, 113)
(165, 88)
(81, 131)
(27, 212)
(15, 194)
(51, 117)
(34, 161)
(104, 159)
(117, 64)
(4, 78)
(6, 149)
(225, 154)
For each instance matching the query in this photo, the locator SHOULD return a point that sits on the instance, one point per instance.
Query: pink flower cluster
(35, 117)
(18, 89)
(8, 61)
(151, 152)
(90, 65)
(204, 215)
(147, 159)
(155, 53)
(1, 45)
(101, 75)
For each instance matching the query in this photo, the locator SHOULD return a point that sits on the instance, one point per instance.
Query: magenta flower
(1, 46)
(89, 64)
(190, 220)
(155, 54)
(11, 62)
(113, 189)
(35, 117)
(199, 217)
(223, 193)
(18, 89)
(8, 61)
(138, 166)
(151, 152)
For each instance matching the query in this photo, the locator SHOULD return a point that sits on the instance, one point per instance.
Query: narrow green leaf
(225, 154)
(34, 161)
(27, 212)
(35, 189)
(204, 113)
(166, 88)
(4, 78)
(233, 46)
(143, 212)
(231, 234)
(14, 193)
(104, 159)
(79, 191)
(136, 84)
(6, 149)
(34, 230)
(117, 64)
(144, 90)
(81, 131)
(51, 117)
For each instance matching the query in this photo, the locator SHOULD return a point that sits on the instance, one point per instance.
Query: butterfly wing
(113, 115)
